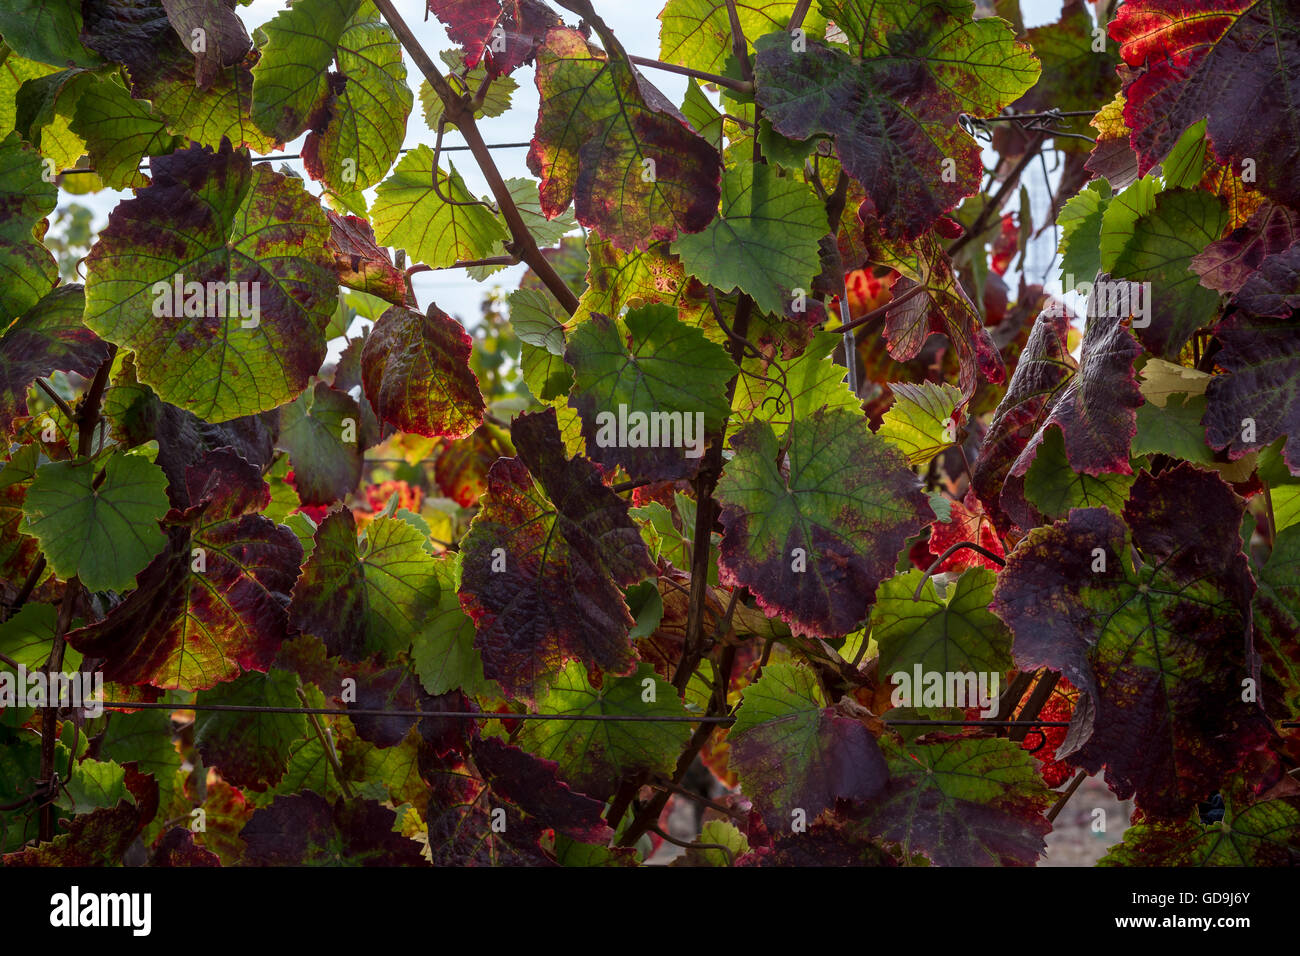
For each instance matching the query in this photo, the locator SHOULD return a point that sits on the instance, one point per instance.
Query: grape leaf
(323, 434)
(410, 213)
(814, 537)
(661, 370)
(764, 241)
(103, 535)
(361, 598)
(1159, 250)
(1112, 156)
(594, 755)
(27, 270)
(291, 79)
(225, 42)
(1255, 402)
(1251, 833)
(212, 603)
(811, 380)
(361, 264)
(922, 422)
(47, 31)
(963, 802)
(892, 103)
(1226, 264)
(697, 33)
(501, 34)
(613, 145)
(119, 131)
(250, 749)
(444, 654)
(617, 279)
(544, 561)
(791, 751)
(416, 373)
(365, 120)
(48, 337)
(1053, 487)
(1080, 223)
(243, 224)
(1167, 718)
(1277, 624)
(955, 633)
(530, 783)
(965, 520)
(305, 829)
(1199, 61)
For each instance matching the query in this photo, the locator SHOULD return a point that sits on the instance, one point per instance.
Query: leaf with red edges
(359, 263)
(544, 562)
(530, 783)
(504, 33)
(306, 830)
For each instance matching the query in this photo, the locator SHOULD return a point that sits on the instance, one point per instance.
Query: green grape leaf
(764, 241)
(812, 381)
(1277, 625)
(366, 120)
(444, 654)
(27, 270)
(323, 434)
(963, 802)
(697, 33)
(793, 752)
(611, 144)
(365, 597)
(257, 342)
(410, 213)
(119, 132)
(47, 31)
(593, 756)
(955, 633)
(922, 422)
(212, 603)
(661, 375)
(1053, 487)
(417, 376)
(103, 535)
(812, 539)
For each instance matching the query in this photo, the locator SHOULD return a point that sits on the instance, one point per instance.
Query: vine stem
(460, 111)
(740, 86)
(881, 310)
(1064, 798)
(995, 204)
(938, 562)
(87, 422)
(731, 857)
(327, 744)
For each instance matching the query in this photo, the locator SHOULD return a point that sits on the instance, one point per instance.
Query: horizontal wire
(272, 159)
(481, 715)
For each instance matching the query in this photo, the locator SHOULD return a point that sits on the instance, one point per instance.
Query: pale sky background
(636, 24)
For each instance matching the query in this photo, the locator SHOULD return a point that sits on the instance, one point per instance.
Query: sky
(636, 24)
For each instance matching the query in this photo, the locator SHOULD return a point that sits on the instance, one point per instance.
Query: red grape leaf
(812, 538)
(791, 751)
(942, 309)
(504, 33)
(1156, 646)
(306, 830)
(544, 562)
(361, 264)
(188, 628)
(47, 337)
(892, 104)
(1227, 263)
(1198, 60)
(250, 749)
(530, 783)
(612, 143)
(176, 847)
(416, 373)
(225, 42)
(968, 522)
(975, 801)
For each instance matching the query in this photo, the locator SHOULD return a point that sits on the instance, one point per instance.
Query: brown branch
(1064, 798)
(1042, 691)
(460, 110)
(740, 86)
(881, 310)
(55, 397)
(29, 585)
(796, 18)
(995, 204)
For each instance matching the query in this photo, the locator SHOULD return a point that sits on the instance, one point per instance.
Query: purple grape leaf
(975, 801)
(503, 34)
(323, 432)
(306, 830)
(176, 847)
(813, 537)
(792, 751)
(611, 143)
(1156, 645)
(530, 783)
(213, 602)
(359, 263)
(544, 562)
(892, 103)
(1226, 264)
(250, 749)
(416, 373)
